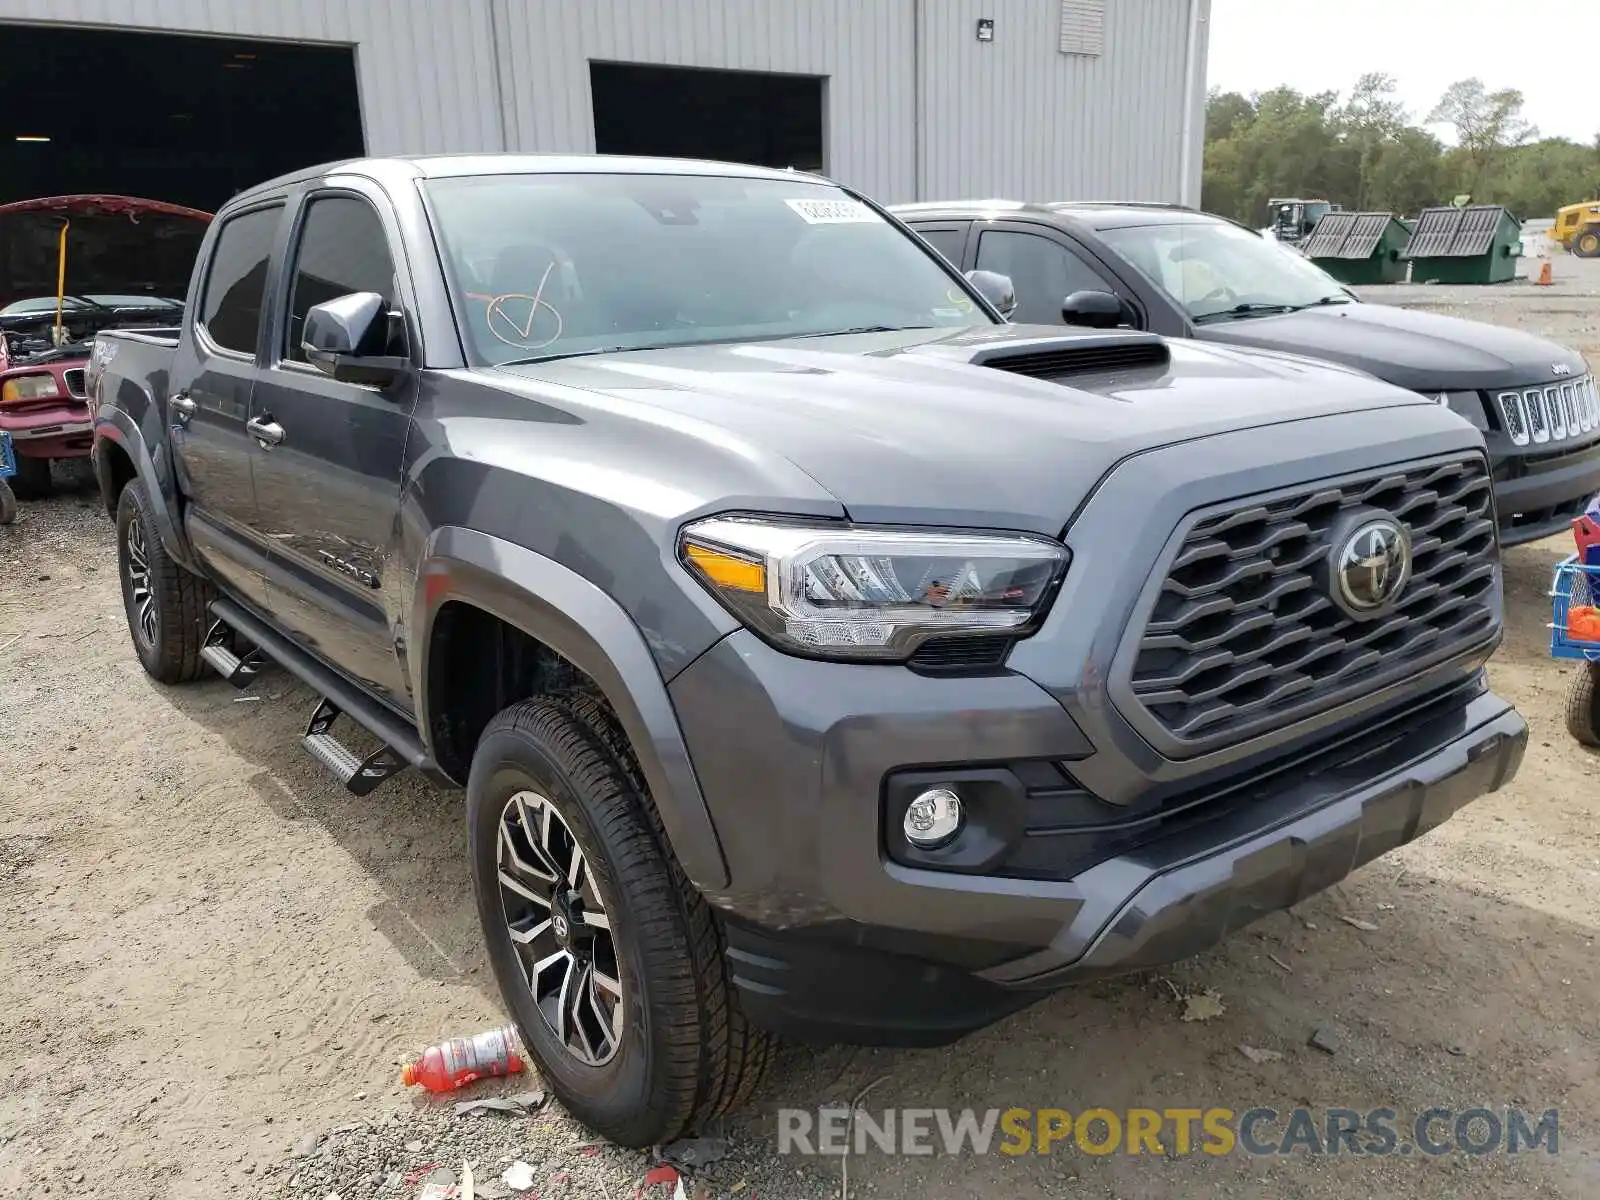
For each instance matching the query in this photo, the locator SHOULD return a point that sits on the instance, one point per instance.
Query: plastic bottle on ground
(460, 1061)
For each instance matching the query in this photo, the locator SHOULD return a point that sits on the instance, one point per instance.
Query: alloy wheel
(560, 929)
(139, 593)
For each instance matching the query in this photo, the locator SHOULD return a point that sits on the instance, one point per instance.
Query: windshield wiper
(861, 329)
(1327, 300)
(544, 358)
(1251, 309)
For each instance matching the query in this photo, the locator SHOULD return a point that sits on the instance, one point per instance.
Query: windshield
(1216, 270)
(543, 266)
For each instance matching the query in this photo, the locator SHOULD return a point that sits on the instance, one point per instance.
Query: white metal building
(904, 99)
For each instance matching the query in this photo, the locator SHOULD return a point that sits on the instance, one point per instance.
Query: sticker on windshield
(834, 212)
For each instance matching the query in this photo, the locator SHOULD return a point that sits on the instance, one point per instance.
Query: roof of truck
(444, 166)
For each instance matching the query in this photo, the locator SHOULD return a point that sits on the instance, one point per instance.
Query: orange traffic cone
(1544, 279)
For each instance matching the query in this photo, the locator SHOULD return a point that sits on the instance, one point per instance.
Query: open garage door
(733, 116)
(188, 120)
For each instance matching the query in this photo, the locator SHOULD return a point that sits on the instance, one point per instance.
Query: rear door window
(236, 282)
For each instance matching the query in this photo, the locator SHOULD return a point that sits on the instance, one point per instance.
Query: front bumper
(53, 430)
(1539, 490)
(830, 938)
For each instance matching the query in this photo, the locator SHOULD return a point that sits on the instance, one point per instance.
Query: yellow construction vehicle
(1577, 228)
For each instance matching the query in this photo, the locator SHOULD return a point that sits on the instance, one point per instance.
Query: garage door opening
(733, 116)
(189, 120)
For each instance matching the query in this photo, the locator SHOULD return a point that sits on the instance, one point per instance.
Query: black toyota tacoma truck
(820, 654)
(1182, 273)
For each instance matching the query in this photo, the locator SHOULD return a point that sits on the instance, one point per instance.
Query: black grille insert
(960, 655)
(74, 377)
(1245, 636)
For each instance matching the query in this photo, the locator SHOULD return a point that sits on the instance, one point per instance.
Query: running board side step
(359, 775)
(219, 656)
(401, 747)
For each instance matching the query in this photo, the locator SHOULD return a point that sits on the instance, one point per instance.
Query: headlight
(29, 387)
(1464, 404)
(871, 593)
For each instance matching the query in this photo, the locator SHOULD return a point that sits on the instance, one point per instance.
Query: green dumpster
(1478, 243)
(1359, 247)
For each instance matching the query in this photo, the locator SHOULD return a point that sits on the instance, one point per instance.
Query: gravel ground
(216, 961)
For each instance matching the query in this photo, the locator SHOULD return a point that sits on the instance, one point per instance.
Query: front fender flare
(116, 427)
(592, 631)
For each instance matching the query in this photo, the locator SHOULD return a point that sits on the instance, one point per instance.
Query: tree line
(1366, 152)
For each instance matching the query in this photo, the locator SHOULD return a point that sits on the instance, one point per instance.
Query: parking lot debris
(692, 1153)
(656, 1177)
(1202, 1006)
(1358, 923)
(518, 1105)
(518, 1176)
(1324, 1038)
(460, 1061)
(1259, 1056)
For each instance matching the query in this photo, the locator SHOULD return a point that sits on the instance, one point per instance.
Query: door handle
(265, 430)
(183, 404)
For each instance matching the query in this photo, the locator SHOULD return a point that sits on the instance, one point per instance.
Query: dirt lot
(213, 958)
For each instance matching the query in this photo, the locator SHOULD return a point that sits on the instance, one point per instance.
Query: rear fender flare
(116, 427)
(583, 624)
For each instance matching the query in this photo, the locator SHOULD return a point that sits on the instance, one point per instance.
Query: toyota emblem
(1372, 566)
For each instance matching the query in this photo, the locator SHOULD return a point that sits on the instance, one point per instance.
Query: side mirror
(345, 338)
(1096, 310)
(997, 289)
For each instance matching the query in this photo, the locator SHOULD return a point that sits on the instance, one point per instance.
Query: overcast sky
(1425, 44)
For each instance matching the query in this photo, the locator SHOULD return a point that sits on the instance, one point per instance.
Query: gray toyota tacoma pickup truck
(820, 654)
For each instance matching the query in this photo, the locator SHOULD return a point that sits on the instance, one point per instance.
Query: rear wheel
(165, 604)
(1583, 705)
(607, 957)
(32, 480)
(1588, 244)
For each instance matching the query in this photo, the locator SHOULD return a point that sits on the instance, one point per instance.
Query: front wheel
(8, 503)
(165, 604)
(1587, 245)
(609, 960)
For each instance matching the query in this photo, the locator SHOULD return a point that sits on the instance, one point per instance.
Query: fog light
(933, 818)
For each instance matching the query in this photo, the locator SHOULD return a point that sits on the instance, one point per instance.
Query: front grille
(1245, 637)
(76, 384)
(1552, 412)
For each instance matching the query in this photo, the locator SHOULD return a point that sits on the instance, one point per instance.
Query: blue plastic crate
(8, 457)
(1574, 584)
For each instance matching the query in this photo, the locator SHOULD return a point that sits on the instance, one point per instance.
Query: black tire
(684, 1051)
(169, 632)
(1583, 705)
(32, 480)
(8, 503)
(1587, 244)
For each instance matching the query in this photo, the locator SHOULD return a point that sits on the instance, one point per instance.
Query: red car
(71, 266)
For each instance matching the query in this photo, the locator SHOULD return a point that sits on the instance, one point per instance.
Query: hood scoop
(1088, 354)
